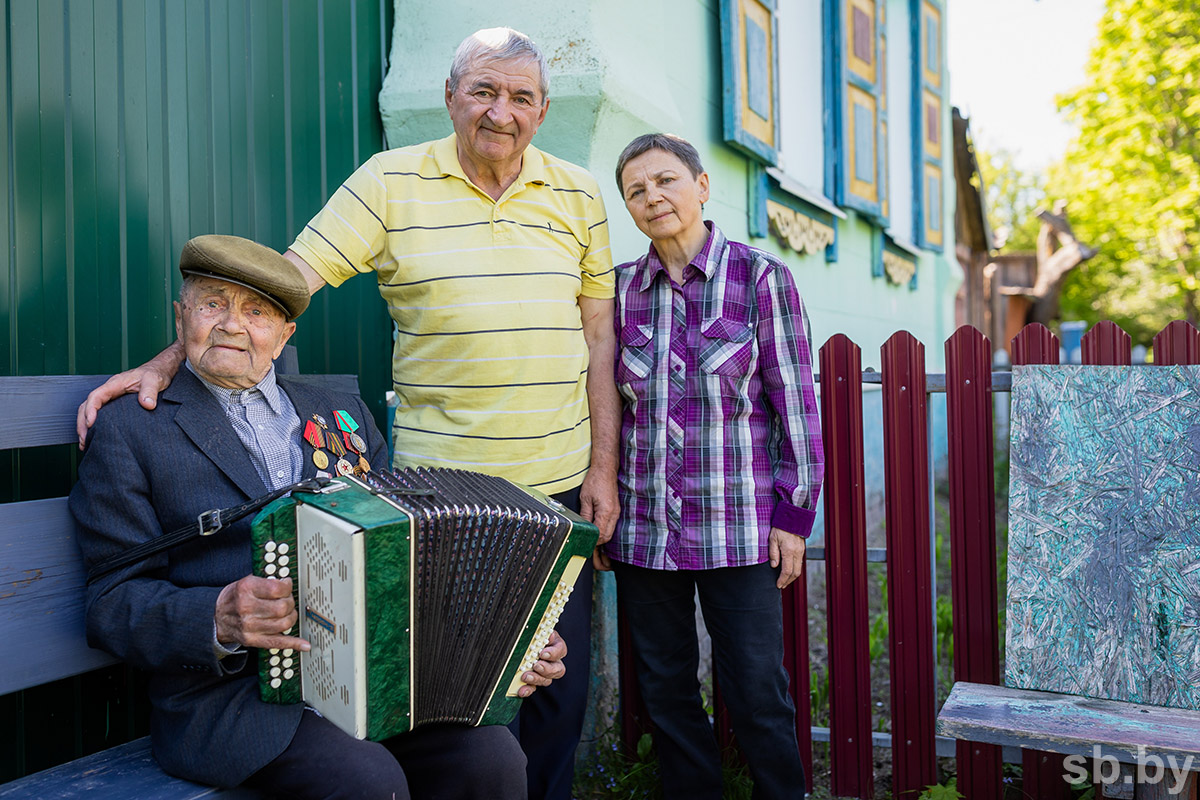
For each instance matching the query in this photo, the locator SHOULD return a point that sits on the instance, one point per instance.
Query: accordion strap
(206, 524)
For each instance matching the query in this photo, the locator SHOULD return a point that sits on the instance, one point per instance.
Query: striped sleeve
(345, 236)
(597, 266)
(786, 369)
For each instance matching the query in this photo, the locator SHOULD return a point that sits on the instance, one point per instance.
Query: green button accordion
(425, 594)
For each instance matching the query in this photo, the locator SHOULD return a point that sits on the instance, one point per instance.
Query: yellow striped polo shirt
(490, 363)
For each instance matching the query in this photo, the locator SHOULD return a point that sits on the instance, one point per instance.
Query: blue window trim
(831, 95)
(919, 38)
(735, 134)
(837, 116)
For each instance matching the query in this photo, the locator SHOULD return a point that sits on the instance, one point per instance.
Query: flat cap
(249, 264)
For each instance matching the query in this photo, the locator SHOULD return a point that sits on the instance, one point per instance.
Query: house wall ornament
(899, 270)
(799, 232)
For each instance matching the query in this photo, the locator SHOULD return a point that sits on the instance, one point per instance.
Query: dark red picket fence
(968, 383)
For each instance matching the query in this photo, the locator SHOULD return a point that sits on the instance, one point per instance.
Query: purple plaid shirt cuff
(793, 519)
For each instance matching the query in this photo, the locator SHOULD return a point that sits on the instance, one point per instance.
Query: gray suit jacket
(146, 473)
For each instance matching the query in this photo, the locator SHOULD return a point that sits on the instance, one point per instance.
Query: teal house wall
(128, 127)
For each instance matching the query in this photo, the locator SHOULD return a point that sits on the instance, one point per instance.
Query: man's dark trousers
(550, 721)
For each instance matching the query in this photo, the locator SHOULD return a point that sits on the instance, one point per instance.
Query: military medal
(344, 467)
(345, 421)
(313, 436)
(350, 445)
(320, 420)
(334, 444)
(363, 465)
(359, 444)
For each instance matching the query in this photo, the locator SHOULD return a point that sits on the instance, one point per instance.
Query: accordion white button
(288, 674)
(275, 672)
(284, 572)
(288, 652)
(274, 651)
(283, 547)
(287, 662)
(283, 560)
(274, 661)
(269, 556)
(269, 569)
(269, 546)
(276, 683)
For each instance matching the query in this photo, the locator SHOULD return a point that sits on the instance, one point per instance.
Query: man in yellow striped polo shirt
(494, 260)
(490, 357)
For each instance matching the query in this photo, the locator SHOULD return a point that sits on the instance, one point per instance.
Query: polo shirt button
(279, 474)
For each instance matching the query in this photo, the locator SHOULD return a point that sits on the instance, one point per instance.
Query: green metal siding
(129, 127)
(132, 125)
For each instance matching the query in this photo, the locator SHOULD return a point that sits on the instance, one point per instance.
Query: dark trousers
(743, 612)
(446, 762)
(549, 724)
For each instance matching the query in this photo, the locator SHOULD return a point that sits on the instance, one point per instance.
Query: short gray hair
(498, 44)
(675, 145)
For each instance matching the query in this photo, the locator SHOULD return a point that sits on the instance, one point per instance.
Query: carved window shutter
(750, 69)
(929, 182)
(862, 109)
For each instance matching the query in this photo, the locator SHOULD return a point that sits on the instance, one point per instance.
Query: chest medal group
(343, 447)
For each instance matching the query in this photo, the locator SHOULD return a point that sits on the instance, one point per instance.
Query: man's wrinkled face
(230, 333)
(496, 110)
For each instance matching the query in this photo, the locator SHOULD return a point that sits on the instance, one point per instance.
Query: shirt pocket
(636, 359)
(727, 347)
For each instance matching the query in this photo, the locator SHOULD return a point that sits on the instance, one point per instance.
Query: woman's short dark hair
(675, 145)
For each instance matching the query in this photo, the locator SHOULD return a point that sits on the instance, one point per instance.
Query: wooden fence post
(973, 542)
(1106, 345)
(850, 758)
(1041, 772)
(910, 629)
(1178, 343)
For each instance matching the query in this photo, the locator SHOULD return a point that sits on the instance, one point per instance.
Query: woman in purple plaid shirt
(721, 465)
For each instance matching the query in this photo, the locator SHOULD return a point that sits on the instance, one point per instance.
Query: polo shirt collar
(533, 163)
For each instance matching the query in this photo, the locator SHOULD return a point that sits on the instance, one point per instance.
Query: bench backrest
(41, 570)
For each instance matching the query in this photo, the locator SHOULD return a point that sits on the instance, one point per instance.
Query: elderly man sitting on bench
(229, 430)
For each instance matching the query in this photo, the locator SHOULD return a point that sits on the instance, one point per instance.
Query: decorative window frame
(799, 220)
(750, 73)
(856, 106)
(928, 114)
(895, 260)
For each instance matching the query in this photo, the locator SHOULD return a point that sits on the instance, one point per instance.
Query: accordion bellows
(425, 594)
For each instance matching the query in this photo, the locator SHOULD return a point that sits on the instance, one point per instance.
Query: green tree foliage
(1013, 196)
(1132, 177)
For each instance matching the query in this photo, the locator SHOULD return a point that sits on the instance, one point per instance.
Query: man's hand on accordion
(549, 667)
(258, 612)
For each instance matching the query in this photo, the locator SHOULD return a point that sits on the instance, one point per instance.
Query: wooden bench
(1082, 656)
(42, 596)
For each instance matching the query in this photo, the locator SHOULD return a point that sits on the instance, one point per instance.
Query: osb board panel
(1104, 539)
